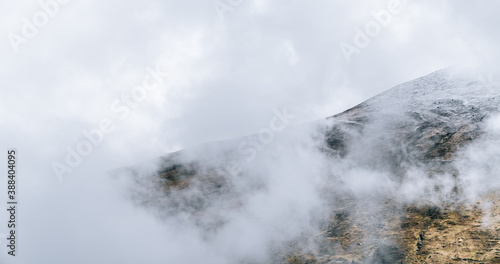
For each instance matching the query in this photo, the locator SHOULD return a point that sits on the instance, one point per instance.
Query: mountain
(407, 176)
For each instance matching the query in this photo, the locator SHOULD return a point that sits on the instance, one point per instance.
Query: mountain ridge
(408, 142)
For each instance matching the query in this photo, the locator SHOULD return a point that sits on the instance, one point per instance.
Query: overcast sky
(63, 68)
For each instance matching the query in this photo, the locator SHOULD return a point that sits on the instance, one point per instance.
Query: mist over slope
(340, 189)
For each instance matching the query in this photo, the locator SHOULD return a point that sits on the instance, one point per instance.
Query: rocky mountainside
(407, 176)
(424, 121)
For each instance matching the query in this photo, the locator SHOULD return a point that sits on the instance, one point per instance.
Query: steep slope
(393, 182)
(424, 120)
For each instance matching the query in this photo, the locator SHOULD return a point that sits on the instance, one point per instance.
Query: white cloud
(225, 79)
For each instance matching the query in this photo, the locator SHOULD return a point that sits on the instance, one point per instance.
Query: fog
(139, 80)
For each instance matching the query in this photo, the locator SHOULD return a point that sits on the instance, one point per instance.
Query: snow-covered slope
(421, 121)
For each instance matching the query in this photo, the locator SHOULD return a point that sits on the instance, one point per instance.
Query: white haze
(225, 79)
